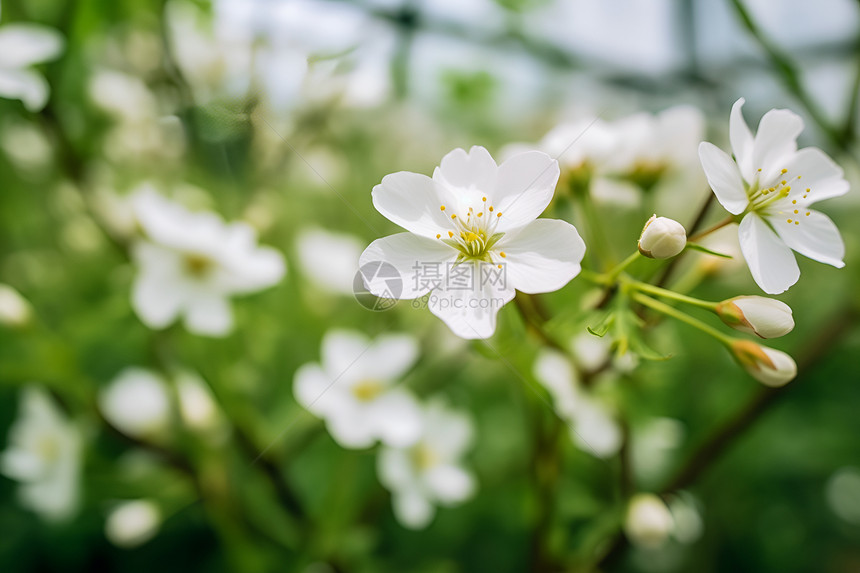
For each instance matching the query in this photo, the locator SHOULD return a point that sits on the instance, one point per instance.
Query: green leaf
(697, 247)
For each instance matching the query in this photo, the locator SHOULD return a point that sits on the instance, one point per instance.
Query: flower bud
(649, 521)
(768, 366)
(762, 316)
(137, 403)
(662, 238)
(15, 311)
(132, 523)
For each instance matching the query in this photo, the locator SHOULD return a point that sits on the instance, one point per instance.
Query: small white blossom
(769, 366)
(762, 316)
(355, 389)
(190, 263)
(772, 185)
(22, 46)
(132, 523)
(592, 427)
(137, 403)
(476, 223)
(429, 472)
(649, 521)
(44, 454)
(662, 238)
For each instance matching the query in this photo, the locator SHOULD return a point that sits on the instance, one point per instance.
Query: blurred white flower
(137, 403)
(191, 262)
(22, 46)
(649, 521)
(592, 427)
(769, 366)
(132, 523)
(429, 472)
(355, 390)
(772, 185)
(687, 518)
(15, 311)
(44, 454)
(653, 446)
(329, 259)
(843, 494)
(475, 223)
(197, 405)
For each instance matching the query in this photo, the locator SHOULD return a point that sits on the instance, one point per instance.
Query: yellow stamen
(442, 207)
(502, 254)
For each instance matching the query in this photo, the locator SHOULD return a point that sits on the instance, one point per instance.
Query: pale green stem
(613, 273)
(673, 312)
(702, 234)
(666, 293)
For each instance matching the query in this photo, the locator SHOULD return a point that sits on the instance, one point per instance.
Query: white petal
(395, 468)
(411, 265)
(554, 371)
(341, 354)
(542, 257)
(447, 432)
(776, 142)
(412, 509)
(157, 295)
(524, 188)
(450, 483)
(597, 432)
(316, 391)
(390, 356)
(771, 262)
(819, 173)
(26, 85)
(472, 171)
(816, 237)
(352, 427)
(742, 141)
(396, 418)
(470, 312)
(412, 201)
(23, 45)
(209, 315)
(723, 177)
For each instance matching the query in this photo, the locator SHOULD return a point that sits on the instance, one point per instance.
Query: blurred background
(284, 114)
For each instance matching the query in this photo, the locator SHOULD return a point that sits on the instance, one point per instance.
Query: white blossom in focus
(592, 426)
(191, 263)
(662, 238)
(429, 473)
(23, 46)
(771, 185)
(137, 403)
(329, 259)
(354, 389)
(477, 221)
(132, 523)
(44, 455)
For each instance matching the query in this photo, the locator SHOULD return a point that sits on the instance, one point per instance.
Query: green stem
(701, 234)
(673, 312)
(666, 293)
(596, 278)
(612, 275)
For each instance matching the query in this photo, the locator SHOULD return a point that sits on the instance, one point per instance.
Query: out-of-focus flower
(772, 185)
(197, 406)
(355, 389)
(429, 472)
(190, 263)
(649, 521)
(592, 427)
(686, 516)
(662, 238)
(476, 222)
(137, 403)
(329, 259)
(762, 316)
(22, 46)
(132, 523)
(27, 146)
(44, 454)
(769, 366)
(653, 445)
(843, 494)
(15, 311)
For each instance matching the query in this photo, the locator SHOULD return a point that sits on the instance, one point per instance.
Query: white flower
(44, 454)
(22, 46)
(429, 472)
(190, 263)
(769, 366)
(355, 389)
(136, 402)
(473, 236)
(772, 185)
(329, 259)
(662, 238)
(592, 427)
(132, 523)
(14, 309)
(649, 521)
(762, 316)
(197, 405)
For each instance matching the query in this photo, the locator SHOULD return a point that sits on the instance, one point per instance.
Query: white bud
(762, 316)
(136, 403)
(132, 523)
(14, 309)
(649, 521)
(768, 366)
(662, 238)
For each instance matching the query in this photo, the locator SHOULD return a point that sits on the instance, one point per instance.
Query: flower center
(367, 390)
(47, 448)
(474, 233)
(198, 265)
(424, 457)
(774, 199)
